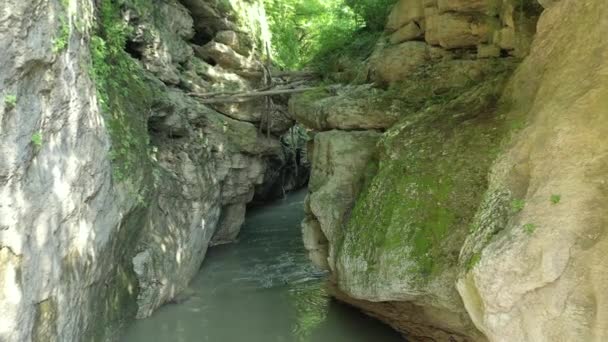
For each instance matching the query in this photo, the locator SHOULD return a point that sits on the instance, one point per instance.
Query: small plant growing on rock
(37, 140)
(60, 43)
(517, 205)
(10, 101)
(529, 228)
(555, 199)
(473, 260)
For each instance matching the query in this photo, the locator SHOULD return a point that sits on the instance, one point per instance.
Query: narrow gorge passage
(261, 288)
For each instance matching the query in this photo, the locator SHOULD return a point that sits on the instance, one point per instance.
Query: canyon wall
(113, 179)
(461, 198)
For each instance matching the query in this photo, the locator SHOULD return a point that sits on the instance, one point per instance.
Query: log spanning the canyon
(271, 88)
(236, 97)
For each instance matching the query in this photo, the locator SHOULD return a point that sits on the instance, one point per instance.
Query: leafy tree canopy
(310, 31)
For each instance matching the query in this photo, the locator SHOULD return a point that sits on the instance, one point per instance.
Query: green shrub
(373, 12)
(37, 139)
(123, 95)
(10, 101)
(529, 228)
(60, 43)
(517, 205)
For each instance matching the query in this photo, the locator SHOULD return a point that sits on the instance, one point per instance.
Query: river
(260, 289)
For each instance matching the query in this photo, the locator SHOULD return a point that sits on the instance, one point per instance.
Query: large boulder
(341, 163)
(451, 30)
(405, 12)
(404, 235)
(396, 62)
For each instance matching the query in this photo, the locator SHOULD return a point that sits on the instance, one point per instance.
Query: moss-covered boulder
(403, 239)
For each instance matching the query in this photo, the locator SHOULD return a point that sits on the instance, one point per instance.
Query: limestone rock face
(233, 216)
(494, 28)
(409, 222)
(462, 5)
(60, 214)
(482, 216)
(540, 273)
(341, 162)
(225, 56)
(113, 180)
(315, 242)
(409, 31)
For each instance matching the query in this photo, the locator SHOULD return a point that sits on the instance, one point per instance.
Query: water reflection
(311, 305)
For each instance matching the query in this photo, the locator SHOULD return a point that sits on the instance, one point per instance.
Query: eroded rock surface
(539, 273)
(480, 215)
(339, 168)
(113, 180)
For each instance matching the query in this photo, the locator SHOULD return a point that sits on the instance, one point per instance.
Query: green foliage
(10, 101)
(517, 205)
(555, 199)
(372, 12)
(122, 94)
(474, 260)
(346, 53)
(61, 41)
(301, 28)
(37, 139)
(529, 228)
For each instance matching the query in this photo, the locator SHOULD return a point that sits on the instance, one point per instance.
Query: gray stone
(231, 219)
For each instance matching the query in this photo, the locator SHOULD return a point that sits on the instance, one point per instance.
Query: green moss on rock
(45, 322)
(410, 222)
(124, 97)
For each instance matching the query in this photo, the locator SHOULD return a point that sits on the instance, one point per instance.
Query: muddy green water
(260, 289)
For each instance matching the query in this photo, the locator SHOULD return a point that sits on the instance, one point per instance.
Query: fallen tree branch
(295, 74)
(278, 74)
(248, 96)
(280, 86)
